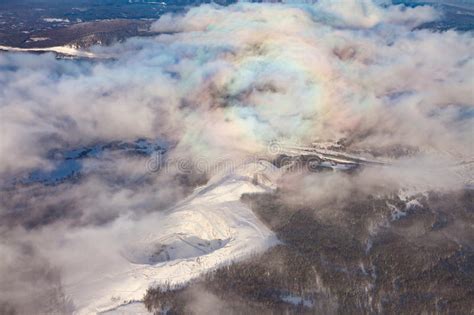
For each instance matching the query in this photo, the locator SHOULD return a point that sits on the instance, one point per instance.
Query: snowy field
(208, 229)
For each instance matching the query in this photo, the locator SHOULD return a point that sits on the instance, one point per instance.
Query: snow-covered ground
(63, 50)
(209, 228)
(133, 308)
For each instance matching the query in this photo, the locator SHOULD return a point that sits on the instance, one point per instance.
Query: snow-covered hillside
(209, 228)
(66, 51)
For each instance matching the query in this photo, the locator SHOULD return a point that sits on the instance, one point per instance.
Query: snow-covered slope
(209, 228)
(62, 50)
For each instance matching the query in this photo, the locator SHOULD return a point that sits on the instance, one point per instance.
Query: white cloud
(224, 81)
